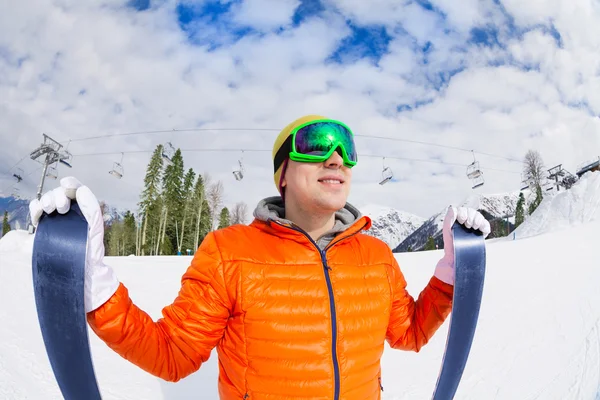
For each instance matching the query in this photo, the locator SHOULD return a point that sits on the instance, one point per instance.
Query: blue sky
(496, 77)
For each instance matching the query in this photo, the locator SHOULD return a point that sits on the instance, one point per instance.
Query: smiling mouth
(332, 181)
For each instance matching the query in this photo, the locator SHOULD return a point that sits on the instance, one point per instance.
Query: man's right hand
(100, 280)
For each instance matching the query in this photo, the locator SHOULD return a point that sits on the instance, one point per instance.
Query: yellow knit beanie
(279, 172)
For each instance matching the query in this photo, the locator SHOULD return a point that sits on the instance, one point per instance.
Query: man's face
(322, 187)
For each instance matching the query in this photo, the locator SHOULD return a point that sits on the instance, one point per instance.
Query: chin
(332, 203)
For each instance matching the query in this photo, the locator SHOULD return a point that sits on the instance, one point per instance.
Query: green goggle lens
(316, 142)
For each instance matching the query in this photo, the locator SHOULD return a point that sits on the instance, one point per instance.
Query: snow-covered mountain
(17, 212)
(492, 206)
(391, 225)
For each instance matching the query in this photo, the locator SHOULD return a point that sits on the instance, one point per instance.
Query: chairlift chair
(52, 172)
(18, 175)
(386, 174)
(117, 169)
(239, 172)
(66, 158)
(474, 173)
(473, 170)
(477, 181)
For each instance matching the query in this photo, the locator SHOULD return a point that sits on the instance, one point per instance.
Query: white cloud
(265, 14)
(79, 69)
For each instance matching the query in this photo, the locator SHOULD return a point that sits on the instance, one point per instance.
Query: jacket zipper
(326, 267)
(336, 367)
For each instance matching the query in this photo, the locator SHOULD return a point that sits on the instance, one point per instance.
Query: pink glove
(468, 217)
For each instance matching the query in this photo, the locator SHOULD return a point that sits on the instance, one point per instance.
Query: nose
(335, 160)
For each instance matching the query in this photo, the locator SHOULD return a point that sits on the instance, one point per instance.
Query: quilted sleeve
(177, 344)
(413, 323)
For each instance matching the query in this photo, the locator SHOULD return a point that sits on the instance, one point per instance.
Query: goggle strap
(282, 153)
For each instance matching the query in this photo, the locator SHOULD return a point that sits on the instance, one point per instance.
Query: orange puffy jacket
(289, 321)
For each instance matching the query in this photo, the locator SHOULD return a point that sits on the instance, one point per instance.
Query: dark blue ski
(58, 263)
(469, 274)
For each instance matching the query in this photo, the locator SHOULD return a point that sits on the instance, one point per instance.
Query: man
(299, 303)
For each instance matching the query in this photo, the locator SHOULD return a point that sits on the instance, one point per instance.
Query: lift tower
(53, 152)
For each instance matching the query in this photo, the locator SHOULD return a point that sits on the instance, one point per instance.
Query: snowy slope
(538, 336)
(390, 225)
(578, 205)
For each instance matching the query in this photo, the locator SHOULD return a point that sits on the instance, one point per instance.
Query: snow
(538, 335)
(391, 225)
(16, 241)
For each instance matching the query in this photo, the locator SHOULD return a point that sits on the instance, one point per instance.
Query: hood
(272, 208)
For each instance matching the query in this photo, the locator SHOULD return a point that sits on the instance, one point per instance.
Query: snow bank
(579, 205)
(16, 241)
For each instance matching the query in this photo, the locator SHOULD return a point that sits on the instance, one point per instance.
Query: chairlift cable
(277, 130)
(268, 150)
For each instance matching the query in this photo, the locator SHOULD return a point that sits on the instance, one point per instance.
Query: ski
(58, 266)
(469, 275)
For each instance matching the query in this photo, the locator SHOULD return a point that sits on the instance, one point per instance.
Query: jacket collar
(270, 215)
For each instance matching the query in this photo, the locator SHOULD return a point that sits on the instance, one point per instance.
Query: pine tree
(128, 234)
(115, 239)
(430, 245)
(149, 209)
(172, 205)
(224, 218)
(409, 249)
(520, 211)
(188, 196)
(197, 209)
(5, 224)
(539, 196)
(206, 224)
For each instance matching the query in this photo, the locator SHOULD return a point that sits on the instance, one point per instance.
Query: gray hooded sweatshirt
(272, 208)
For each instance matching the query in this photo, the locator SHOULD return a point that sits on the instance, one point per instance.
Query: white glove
(100, 280)
(468, 217)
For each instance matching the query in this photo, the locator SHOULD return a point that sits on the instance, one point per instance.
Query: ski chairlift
(239, 172)
(168, 152)
(386, 174)
(117, 169)
(18, 175)
(52, 172)
(474, 173)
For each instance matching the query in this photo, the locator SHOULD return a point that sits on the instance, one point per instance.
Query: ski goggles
(316, 141)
